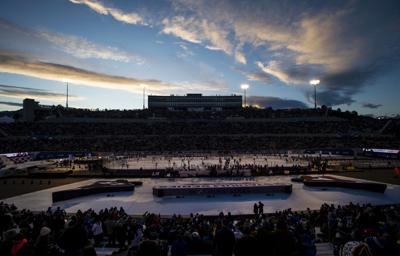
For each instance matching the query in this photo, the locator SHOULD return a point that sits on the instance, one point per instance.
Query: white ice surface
(142, 199)
(196, 162)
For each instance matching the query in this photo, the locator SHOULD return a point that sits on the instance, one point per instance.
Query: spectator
(179, 247)
(97, 231)
(255, 209)
(224, 240)
(247, 245)
(260, 208)
(354, 228)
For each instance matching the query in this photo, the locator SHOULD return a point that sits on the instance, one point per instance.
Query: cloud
(118, 14)
(257, 76)
(26, 92)
(210, 86)
(213, 48)
(346, 44)
(17, 64)
(182, 28)
(294, 75)
(274, 102)
(198, 31)
(78, 47)
(12, 104)
(240, 57)
(329, 98)
(340, 87)
(371, 105)
(186, 52)
(84, 49)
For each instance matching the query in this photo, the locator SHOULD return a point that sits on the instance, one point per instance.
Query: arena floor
(200, 162)
(377, 175)
(10, 187)
(142, 199)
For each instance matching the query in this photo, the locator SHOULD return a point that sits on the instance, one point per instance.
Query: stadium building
(194, 102)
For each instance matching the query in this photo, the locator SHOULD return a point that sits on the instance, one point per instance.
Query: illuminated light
(314, 82)
(66, 80)
(244, 86)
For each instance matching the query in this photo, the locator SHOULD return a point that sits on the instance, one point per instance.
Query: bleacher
(247, 129)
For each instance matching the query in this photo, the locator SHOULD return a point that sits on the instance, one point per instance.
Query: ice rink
(142, 199)
(202, 162)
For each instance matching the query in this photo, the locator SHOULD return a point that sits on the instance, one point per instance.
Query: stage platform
(98, 187)
(225, 188)
(329, 181)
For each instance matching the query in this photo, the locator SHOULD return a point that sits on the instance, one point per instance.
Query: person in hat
(43, 245)
(7, 242)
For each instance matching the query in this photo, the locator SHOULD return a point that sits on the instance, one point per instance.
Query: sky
(107, 51)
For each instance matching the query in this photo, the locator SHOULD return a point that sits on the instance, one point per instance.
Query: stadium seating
(247, 130)
(331, 230)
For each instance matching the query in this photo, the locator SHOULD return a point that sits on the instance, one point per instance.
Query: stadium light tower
(66, 104)
(244, 88)
(144, 95)
(66, 100)
(315, 82)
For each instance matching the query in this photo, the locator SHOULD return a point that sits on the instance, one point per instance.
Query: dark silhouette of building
(194, 102)
(28, 111)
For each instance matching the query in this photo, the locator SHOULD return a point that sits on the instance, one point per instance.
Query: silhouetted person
(224, 241)
(247, 245)
(260, 208)
(74, 238)
(255, 209)
(149, 248)
(44, 246)
(283, 241)
(20, 246)
(179, 247)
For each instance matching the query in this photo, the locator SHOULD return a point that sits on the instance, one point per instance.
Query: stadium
(215, 164)
(199, 128)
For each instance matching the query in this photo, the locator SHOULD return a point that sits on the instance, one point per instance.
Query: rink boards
(223, 188)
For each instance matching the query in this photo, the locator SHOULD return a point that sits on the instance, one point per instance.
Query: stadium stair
(324, 249)
(385, 126)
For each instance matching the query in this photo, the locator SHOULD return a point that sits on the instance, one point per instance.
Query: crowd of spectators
(182, 143)
(252, 130)
(124, 138)
(186, 128)
(353, 230)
